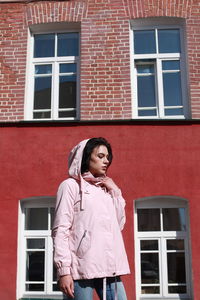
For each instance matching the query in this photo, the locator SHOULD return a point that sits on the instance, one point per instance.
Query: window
(36, 273)
(53, 76)
(159, 84)
(162, 249)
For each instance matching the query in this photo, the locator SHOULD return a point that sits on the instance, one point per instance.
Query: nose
(106, 161)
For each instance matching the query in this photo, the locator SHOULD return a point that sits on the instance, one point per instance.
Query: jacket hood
(75, 159)
(74, 166)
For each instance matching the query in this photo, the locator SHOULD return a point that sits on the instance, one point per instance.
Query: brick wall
(105, 91)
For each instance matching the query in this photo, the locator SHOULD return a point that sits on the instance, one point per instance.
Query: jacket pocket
(84, 244)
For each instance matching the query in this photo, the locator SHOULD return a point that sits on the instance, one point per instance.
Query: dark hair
(89, 147)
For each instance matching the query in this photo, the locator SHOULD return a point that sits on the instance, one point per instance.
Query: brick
(105, 50)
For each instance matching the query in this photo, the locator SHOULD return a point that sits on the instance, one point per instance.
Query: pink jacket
(87, 227)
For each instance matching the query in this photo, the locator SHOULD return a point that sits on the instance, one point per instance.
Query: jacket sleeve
(64, 213)
(119, 204)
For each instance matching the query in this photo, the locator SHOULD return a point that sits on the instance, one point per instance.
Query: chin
(103, 173)
(100, 174)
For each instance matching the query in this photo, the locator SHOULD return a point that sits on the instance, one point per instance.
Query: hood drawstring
(104, 288)
(116, 297)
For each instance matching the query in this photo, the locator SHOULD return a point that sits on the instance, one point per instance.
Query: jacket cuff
(115, 193)
(63, 271)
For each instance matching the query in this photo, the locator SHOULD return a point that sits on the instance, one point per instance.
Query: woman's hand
(109, 184)
(66, 285)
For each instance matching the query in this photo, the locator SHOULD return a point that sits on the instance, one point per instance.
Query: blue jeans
(83, 289)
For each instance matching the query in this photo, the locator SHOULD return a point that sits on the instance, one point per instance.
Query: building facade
(128, 70)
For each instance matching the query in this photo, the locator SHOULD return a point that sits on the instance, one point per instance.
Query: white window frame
(162, 202)
(54, 28)
(35, 202)
(154, 24)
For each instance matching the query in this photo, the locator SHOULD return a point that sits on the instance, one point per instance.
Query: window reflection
(149, 268)
(144, 41)
(150, 290)
(146, 84)
(169, 41)
(68, 44)
(34, 287)
(44, 45)
(179, 289)
(174, 219)
(42, 94)
(35, 243)
(148, 219)
(146, 91)
(149, 245)
(174, 112)
(177, 244)
(67, 92)
(35, 266)
(36, 218)
(147, 112)
(176, 267)
(52, 211)
(172, 89)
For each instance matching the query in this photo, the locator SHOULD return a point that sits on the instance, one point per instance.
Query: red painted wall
(149, 159)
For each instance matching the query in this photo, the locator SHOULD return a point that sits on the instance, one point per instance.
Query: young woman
(89, 251)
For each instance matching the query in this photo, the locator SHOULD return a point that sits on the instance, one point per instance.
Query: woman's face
(99, 162)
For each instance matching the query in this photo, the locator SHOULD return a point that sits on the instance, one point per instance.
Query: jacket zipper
(84, 234)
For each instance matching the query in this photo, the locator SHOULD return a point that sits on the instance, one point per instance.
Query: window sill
(43, 297)
(165, 298)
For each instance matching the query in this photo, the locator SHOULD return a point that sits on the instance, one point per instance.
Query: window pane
(34, 287)
(148, 219)
(174, 111)
(52, 210)
(172, 89)
(150, 290)
(68, 44)
(147, 112)
(55, 285)
(145, 68)
(176, 267)
(54, 273)
(35, 243)
(42, 94)
(174, 219)
(175, 244)
(44, 45)
(56, 288)
(35, 266)
(43, 69)
(67, 92)
(149, 245)
(67, 68)
(36, 219)
(146, 91)
(169, 41)
(177, 289)
(42, 115)
(67, 114)
(149, 268)
(171, 65)
(144, 41)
